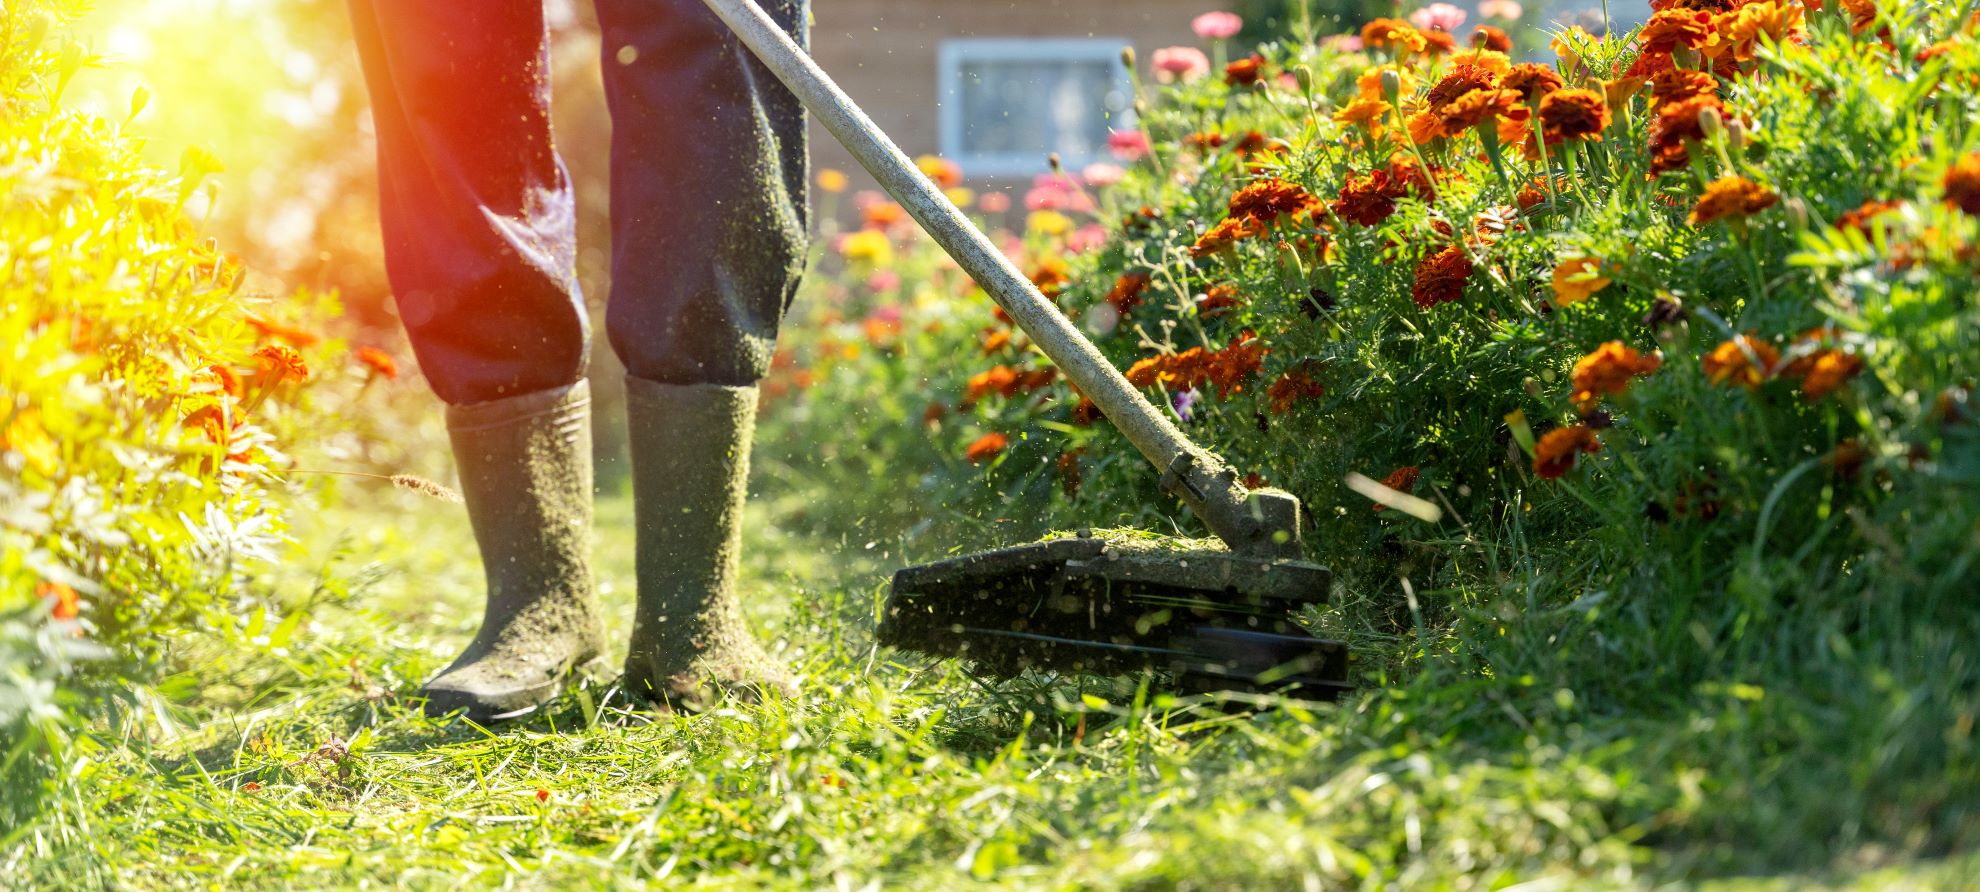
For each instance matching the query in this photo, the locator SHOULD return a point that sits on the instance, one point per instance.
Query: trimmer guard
(1214, 619)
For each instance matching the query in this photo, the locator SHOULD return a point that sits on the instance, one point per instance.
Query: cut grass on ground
(302, 765)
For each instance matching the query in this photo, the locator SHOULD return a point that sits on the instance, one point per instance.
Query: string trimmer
(1217, 617)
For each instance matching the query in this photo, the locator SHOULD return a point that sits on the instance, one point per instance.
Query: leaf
(139, 99)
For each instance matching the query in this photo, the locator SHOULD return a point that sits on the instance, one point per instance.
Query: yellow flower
(868, 246)
(26, 436)
(1048, 223)
(832, 180)
(1576, 278)
(961, 196)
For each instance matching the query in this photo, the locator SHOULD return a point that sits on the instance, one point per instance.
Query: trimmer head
(1214, 619)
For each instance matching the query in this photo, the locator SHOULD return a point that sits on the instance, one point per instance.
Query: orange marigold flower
(1204, 141)
(1401, 480)
(1218, 299)
(1862, 14)
(1239, 361)
(995, 340)
(1574, 114)
(1607, 372)
(1673, 28)
(1733, 197)
(1127, 291)
(1252, 142)
(1441, 277)
(1424, 126)
(1363, 112)
(1369, 83)
(1265, 201)
(1222, 236)
(225, 376)
(1677, 124)
(1532, 80)
(1860, 218)
(986, 447)
(1737, 33)
(1962, 184)
(1486, 37)
(1680, 84)
(1085, 412)
(882, 215)
(1462, 79)
(380, 362)
(934, 414)
(1743, 360)
(1295, 384)
(1037, 379)
(1475, 108)
(1576, 278)
(1383, 33)
(1828, 371)
(1001, 379)
(63, 598)
(1437, 43)
(1051, 277)
(283, 362)
(215, 421)
(285, 333)
(1558, 449)
(1244, 72)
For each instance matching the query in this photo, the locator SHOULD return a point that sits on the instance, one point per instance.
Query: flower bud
(1127, 56)
(1391, 84)
(1710, 123)
(1684, 57)
(1797, 212)
(1053, 161)
(1303, 75)
(1736, 135)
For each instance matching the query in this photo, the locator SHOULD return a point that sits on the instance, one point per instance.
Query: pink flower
(994, 202)
(1180, 63)
(1438, 17)
(1057, 192)
(1086, 238)
(1499, 9)
(1217, 25)
(1342, 43)
(866, 198)
(1127, 145)
(883, 280)
(1100, 175)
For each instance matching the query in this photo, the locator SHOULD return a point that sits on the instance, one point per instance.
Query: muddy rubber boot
(690, 451)
(525, 466)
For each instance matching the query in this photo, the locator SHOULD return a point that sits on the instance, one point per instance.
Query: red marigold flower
(1532, 80)
(1127, 291)
(1679, 123)
(381, 363)
(1218, 299)
(285, 333)
(1295, 384)
(1828, 372)
(1366, 200)
(1574, 114)
(1607, 372)
(1250, 143)
(1244, 72)
(542, 795)
(1732, 197)
(1743, 360)
(1239, 361)
(1204, 141)
(283, 362)
(1222, 236)
(1085, 412)
(1559, 448)
(1441, 277)
(1265, 201)
(1000, 379)
(1476, 108)
(1463, 79)
(986, 447)
(1962, 184)
(65, 604)
(1401, 480)
(1037, 379)
(934, 414)
(1486, 37)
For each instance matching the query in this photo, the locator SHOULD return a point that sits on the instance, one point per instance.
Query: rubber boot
(690, 451)
(525, 466)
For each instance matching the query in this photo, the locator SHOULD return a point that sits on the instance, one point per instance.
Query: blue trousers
(709, 172)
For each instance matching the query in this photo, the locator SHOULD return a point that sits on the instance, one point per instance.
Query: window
(1007, 103)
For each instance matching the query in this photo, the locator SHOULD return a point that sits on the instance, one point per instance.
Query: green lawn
(298, 766)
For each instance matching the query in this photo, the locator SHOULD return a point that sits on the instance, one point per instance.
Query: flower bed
(1690, 310)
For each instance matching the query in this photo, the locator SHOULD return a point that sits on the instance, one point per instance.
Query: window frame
(954, 52)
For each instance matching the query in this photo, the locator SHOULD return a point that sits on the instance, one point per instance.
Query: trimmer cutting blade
(1216, 618)
(1213, 619)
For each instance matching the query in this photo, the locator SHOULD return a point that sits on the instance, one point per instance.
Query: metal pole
(1200, 478)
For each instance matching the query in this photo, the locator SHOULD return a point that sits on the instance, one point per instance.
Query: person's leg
(477, 214)
(709, 223)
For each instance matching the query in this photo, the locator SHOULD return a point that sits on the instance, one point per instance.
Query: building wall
(883, 52)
